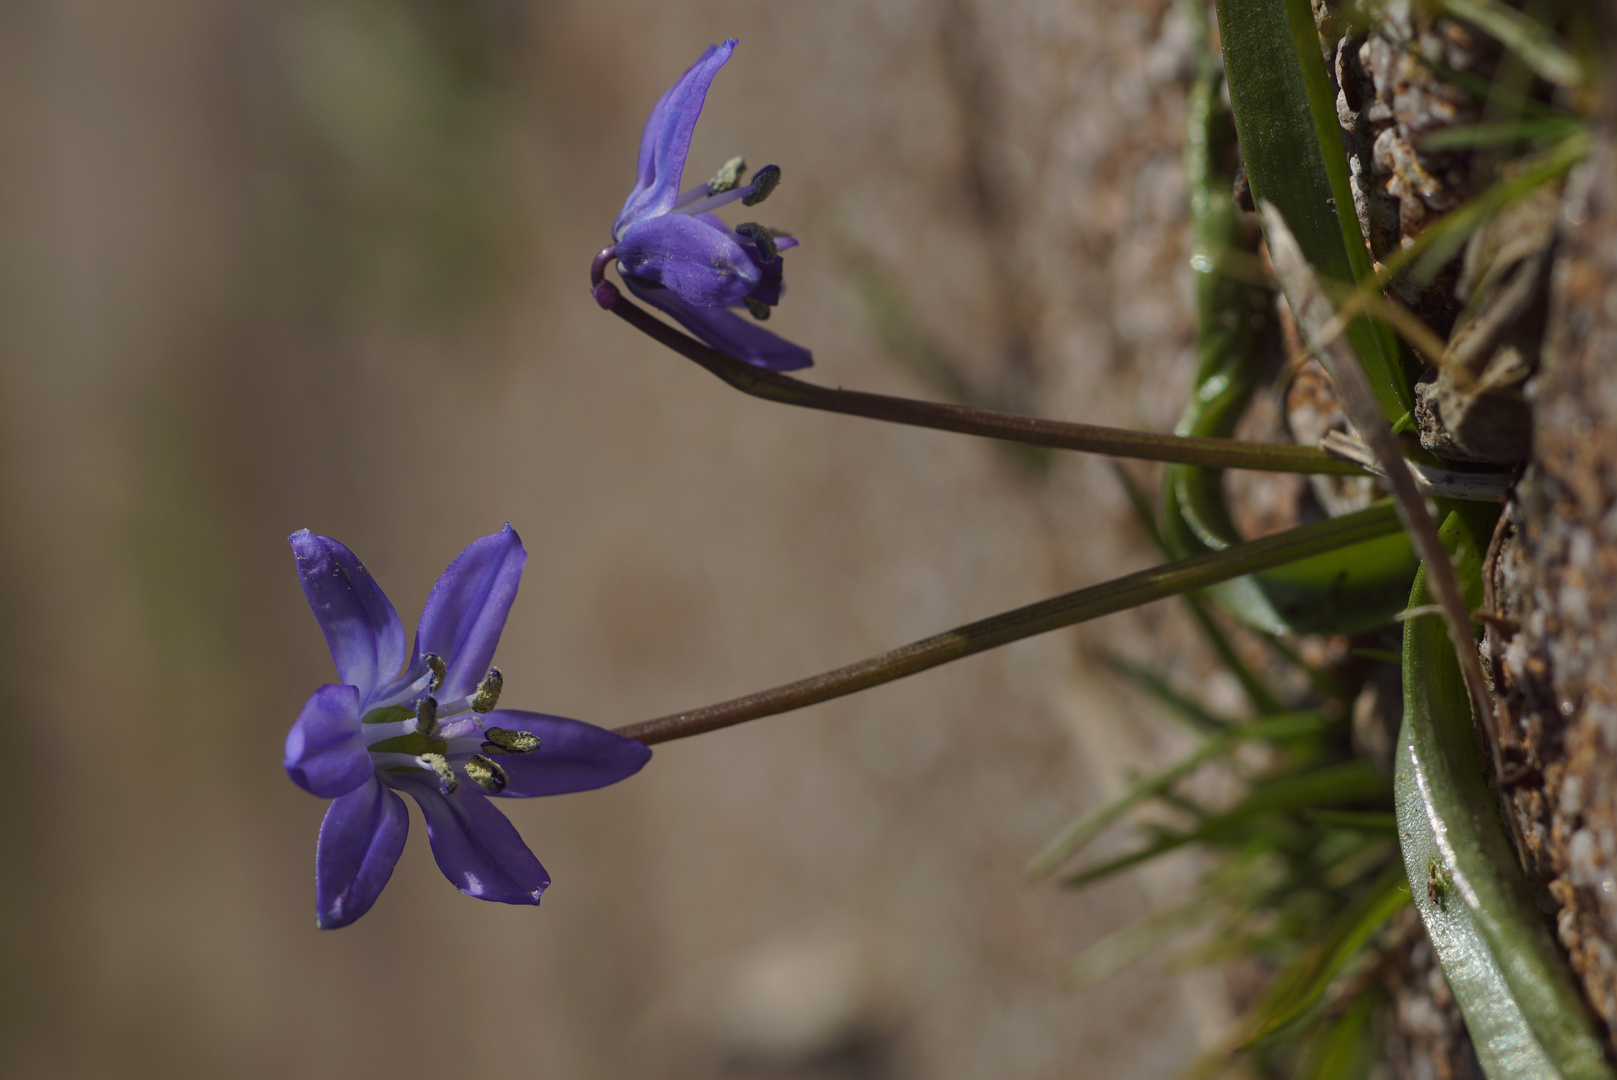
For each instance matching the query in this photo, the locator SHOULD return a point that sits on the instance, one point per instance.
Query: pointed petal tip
(361, 839)
(572, 756)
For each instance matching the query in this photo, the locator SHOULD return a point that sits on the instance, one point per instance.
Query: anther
(763, 182)
(426, 717)
(438, 667)
(446, 776)
(763, 237)
(759, 309)
(728, 178)
(488, 691)
(486, 774)
(499, 740)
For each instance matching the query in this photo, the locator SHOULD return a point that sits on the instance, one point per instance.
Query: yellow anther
(446, 776)
(506, 741)
(728, 178)
(486, 774)
(488, 691)
(439, 669)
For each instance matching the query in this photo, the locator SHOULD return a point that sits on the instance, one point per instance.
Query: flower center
(415, 732)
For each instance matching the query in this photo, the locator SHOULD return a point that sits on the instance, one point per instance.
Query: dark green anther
(760, 235)
(759, 309)
(439, 669)
(762, 185)
(426, 717)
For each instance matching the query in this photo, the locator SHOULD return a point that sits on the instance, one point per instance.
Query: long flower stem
(1010, 427)
(1133, 590)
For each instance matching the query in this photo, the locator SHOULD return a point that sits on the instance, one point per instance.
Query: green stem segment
(1009, 427)
(1074, 607)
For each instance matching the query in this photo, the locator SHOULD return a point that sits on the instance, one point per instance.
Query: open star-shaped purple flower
(423, 721)
(676, 255)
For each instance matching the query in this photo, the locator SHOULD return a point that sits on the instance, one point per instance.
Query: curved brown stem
(1133, 590)
(1009, 427)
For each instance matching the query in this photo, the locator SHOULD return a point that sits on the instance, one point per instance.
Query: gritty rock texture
(1555, 580)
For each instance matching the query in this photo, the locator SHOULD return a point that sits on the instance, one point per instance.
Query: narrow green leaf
(1180, 706)
(1114, 952)
(1300, 989)
(1372, 821)
(1539, 48)
(1285, 112)
(1525, 1016)
(1347, 1049)
(1351, 782)
(1440, 243)
(1502, 133)
(1086, 827)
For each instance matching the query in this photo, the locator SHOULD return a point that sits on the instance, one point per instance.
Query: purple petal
(572, 755)
(467, 607)
(702, 265)
(325, 750)
(667, 139)
(478, 850)
(726, 331)
(771, 280)
(360, 842)
(362, 629)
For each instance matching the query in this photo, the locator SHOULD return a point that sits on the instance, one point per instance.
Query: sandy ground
(221, 322)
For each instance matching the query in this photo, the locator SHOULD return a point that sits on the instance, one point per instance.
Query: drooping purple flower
(423, 720)
(676, 255)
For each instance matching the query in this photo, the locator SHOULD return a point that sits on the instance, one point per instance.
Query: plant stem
(1010, 427)
(1321, 327)
(1053, 614)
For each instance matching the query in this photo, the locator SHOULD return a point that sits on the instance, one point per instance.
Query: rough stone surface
(1555, 581)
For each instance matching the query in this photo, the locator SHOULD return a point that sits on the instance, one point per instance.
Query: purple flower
(423, 720)
(676, 255)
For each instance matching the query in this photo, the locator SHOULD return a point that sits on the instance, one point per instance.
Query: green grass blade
(1537, 46)
(1181, 707)
(1371, 821)
(1525, 1016)
(1298, 990)
(1257, 692)
(1502, 133)
(1351, 782)
(1072, 839)
(1285, 112)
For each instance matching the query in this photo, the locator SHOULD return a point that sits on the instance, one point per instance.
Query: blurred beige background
(323, 263)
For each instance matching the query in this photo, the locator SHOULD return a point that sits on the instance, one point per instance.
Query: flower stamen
(439, 669)
(728, 177)
(446, 776)
(486, 774)
(506, 741)
(426, 717)
(760, 235)
(488, 691)
(763, 183)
